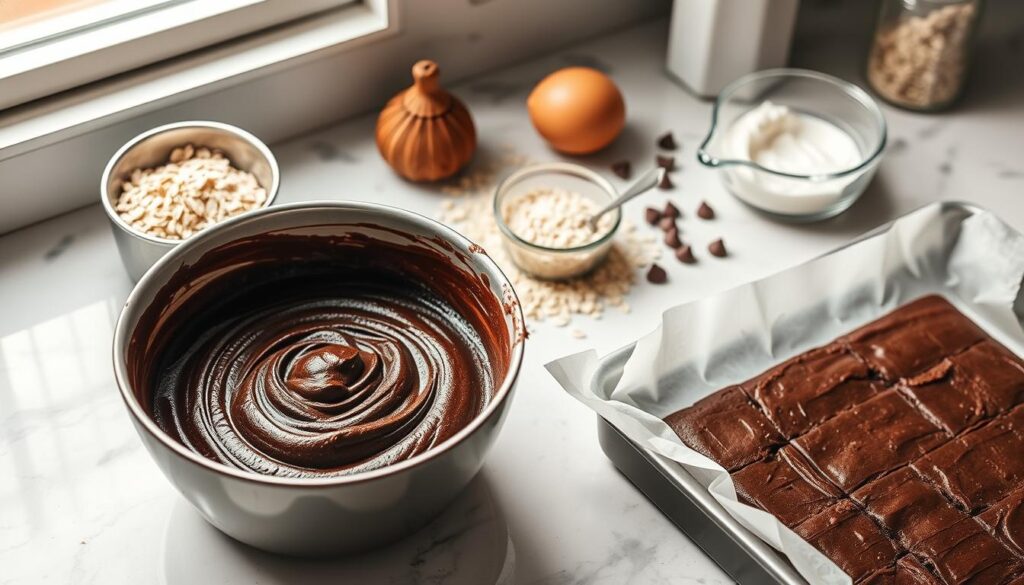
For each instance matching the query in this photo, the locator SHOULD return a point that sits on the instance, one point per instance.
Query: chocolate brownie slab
(981, 382)
(869, 440)
(1005, 519)
(908, 571)
(980, 466)
(811, 388)
(726, 427)
(913, 338)
(998, 373)
(848, 537)
(966, 553)
(786, 485)
(910, 508)
(947, 396)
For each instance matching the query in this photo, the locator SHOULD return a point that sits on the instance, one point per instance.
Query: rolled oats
(197, 188)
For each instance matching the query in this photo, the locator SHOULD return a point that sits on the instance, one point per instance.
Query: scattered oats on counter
(555, 301)
(198, 187)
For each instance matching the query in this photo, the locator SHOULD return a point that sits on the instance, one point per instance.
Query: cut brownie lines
(808, 389)
(869, 440)
(727, 428)
(915, 337)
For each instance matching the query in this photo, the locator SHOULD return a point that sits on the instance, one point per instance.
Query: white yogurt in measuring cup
(781, 139)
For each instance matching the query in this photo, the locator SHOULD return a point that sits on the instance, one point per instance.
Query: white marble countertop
(81, 502)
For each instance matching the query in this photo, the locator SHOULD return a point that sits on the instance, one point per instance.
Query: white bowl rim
(121, 336)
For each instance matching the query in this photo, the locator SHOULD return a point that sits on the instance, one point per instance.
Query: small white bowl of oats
(170, 183)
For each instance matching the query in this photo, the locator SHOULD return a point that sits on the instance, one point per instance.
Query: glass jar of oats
(919, 57)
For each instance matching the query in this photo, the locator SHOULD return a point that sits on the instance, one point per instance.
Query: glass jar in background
(919, 57)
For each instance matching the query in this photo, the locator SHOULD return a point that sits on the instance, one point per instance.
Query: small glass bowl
(555, 263)
(788, 196)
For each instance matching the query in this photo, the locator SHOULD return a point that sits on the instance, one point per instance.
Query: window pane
(24, 23)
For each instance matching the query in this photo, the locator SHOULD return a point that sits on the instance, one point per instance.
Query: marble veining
(81, 502)
(60, 247)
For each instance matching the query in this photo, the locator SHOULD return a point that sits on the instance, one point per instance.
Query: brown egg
(578, 110)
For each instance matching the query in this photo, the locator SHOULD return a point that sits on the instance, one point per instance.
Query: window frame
(115, 45)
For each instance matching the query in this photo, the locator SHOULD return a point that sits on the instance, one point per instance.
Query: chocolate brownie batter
(313, 357)
(897, 450)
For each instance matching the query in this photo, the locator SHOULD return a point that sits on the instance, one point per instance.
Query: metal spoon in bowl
(643, 184)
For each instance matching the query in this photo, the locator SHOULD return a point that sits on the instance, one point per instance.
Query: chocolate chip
(666, 183)
(705, 211)
(672, 238)
(666, 162)
(622, 169)
(667, 142)
(717, 248)
(685, 254)
(657, 275)
(671, 210)
(652, 215)
(667, 223)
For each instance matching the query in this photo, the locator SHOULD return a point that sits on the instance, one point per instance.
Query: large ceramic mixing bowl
(314, 515)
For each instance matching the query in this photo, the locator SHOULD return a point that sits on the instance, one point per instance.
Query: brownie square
(913, 338)
(787, 486)
(978, 383)
(980, 466)
(726, 427)
(811, 388)
(848, 537)
(907, 506)
(1005, 520)
(998, 374)
(965, 553)
(869, 440)
(907, 571)
(946, 395)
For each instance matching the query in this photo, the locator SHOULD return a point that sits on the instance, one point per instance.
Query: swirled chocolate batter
(312, 357)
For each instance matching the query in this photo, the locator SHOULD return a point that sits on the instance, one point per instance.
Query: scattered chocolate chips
(666, 183)
(685, 254)
(666, 162)
(705, 211)
(671, 210)
(622, 169)
(667, 223)
(672, 238)
(717, 248)
(652, 215)
(667, 142)
(657, 275)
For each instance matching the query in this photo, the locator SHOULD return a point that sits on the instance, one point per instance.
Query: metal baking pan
(744, 556)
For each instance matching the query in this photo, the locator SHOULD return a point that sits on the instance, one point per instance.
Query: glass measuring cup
(786, 195)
